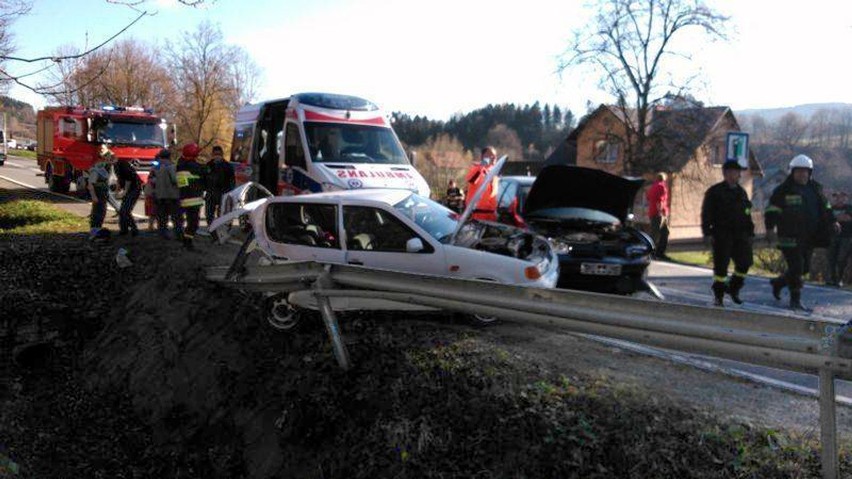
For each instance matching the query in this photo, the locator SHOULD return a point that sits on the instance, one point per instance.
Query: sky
(443, 57)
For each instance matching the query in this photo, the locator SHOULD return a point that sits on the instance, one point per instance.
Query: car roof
(388, 196)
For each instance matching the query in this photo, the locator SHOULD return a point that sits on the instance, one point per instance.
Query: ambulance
(314, 142)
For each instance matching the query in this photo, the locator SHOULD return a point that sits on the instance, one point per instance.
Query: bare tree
(211, 80)
(628, 44)
(843, 126)
(22, 70)
(820, 127)
(506, 141)
(790, 130)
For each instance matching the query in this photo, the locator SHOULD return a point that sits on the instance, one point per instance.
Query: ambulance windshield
(132, 133)
(348, 143)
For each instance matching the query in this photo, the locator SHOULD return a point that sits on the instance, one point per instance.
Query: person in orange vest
(191, 177)
(486, 208)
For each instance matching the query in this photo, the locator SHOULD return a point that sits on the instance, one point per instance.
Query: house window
(606, 151)
(719, 157)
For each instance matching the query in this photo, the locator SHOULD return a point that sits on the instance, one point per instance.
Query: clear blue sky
(446, 56)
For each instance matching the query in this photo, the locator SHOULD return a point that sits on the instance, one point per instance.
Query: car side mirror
(414, 245)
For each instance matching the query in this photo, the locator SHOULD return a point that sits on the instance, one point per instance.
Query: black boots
(734, 287)
(796, 301)
(718, 293)
(777, 285)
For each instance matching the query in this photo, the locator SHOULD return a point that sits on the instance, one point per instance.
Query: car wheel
(282, 315)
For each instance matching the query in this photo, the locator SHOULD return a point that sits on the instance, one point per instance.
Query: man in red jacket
(486, 208)
(658, 212)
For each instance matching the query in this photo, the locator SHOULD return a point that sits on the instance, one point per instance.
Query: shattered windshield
(434, 218)
(132, 133)
(350, 143)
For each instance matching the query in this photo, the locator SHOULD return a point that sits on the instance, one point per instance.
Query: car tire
(282, 315)
(56, 184)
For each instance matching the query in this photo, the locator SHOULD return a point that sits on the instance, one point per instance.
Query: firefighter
(97, 180)
(129, 182)
(727, 226)
(220, 179)
(191, 179)
(802, 214)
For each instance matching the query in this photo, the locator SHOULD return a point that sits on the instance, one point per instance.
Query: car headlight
(637, 250)
(561, 248)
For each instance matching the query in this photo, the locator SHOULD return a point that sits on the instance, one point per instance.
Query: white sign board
(737, 148)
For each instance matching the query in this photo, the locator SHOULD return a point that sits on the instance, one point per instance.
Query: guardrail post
(828, 425)
(330, 320)
(333, 329)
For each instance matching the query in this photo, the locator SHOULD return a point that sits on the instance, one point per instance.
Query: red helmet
(191, 151)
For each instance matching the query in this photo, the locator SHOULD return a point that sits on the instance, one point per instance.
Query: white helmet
(801, 161)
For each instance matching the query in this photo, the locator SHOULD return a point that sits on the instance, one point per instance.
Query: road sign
(737, 148)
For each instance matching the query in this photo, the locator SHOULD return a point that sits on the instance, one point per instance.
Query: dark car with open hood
(585, 213)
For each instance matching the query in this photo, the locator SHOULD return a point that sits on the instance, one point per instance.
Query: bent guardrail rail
(818, 346)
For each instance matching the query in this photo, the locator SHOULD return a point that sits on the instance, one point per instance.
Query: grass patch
(768, 262)
(698, 258)
(38, 217)
(30, 155)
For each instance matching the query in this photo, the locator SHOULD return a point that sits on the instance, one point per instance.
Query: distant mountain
(805, 111)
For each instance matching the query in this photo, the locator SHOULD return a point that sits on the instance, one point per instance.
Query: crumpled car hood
(559, 186)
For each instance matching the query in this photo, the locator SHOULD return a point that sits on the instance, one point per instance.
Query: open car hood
(561, 186)
(474, 198)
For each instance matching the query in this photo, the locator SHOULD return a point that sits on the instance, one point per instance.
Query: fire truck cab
(312, 142)
(69, 139)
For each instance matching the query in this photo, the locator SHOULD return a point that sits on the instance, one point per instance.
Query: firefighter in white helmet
(802, 215)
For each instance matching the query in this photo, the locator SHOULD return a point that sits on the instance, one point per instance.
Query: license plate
(600, 269)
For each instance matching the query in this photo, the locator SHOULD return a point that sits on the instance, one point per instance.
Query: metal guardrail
(817, 346)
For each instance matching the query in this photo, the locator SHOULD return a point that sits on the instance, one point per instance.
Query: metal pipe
(505, 295)
(602, 314)
(333, 330)
(828, 425)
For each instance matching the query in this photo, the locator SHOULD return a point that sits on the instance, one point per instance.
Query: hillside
(21, 118)
(805, 111)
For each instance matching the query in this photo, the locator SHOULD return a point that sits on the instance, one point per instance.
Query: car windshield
(348, 143)
(434, 218)
(582, 215)
(132, 133)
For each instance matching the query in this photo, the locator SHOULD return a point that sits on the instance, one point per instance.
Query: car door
(377, 238)
(303, 231)
(506, 202)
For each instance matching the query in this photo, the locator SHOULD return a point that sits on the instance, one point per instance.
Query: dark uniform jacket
(845, 226)
(220, 177)
(726, 210)
(191, 180)
(127, 177)
(801, 213)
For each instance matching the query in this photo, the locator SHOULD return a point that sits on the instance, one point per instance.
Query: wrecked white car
(393, 230)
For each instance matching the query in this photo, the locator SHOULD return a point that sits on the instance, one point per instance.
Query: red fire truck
(69, 139)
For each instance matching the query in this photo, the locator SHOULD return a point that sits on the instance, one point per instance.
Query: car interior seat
(363, 241)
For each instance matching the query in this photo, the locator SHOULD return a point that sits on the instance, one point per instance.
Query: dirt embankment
(153, 372)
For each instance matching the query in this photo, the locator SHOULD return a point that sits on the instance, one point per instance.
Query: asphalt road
(680, 283)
